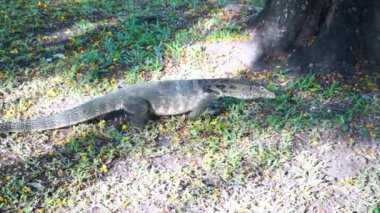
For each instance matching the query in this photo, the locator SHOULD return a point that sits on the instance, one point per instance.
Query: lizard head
(240, 89)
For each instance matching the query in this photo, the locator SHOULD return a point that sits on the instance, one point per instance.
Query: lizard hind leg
(138, 112)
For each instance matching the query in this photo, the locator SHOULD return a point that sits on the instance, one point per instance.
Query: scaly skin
(159, 98)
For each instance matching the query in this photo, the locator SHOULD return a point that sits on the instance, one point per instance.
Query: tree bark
(318, 35)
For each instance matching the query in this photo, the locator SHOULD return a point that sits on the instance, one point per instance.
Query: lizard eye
(261, 88)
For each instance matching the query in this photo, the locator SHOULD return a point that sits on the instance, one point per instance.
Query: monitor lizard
(141, 101)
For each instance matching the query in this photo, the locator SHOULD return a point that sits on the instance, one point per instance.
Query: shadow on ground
(83, 157)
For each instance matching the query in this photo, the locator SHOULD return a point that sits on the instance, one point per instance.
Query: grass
(222, 157)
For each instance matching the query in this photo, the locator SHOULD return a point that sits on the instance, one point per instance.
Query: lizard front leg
(201, 107)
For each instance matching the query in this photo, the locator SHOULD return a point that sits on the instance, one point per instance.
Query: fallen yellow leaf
(315, 143)
(350, 181)
(52, 93)
(103, 168)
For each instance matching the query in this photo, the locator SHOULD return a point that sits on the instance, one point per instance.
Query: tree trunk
(318, 35)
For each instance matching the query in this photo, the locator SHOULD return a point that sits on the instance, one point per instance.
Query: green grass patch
(108, 42)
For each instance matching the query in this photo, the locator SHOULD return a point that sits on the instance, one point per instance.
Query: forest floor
(314, 148)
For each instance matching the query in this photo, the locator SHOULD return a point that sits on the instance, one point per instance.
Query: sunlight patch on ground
(174, 182)
(214, 60)
(76, 30)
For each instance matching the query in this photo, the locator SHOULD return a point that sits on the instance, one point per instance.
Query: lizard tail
(81, 113)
